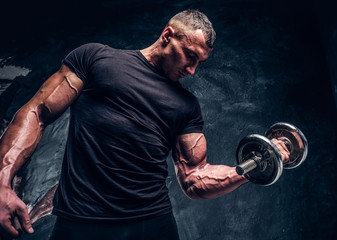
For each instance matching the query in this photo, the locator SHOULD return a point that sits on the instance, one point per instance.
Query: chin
(173, 78)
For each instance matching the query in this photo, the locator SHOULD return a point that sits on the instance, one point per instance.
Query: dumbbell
(260, 160)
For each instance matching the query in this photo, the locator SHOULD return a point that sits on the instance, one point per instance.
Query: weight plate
(270, 168)
(298, 142)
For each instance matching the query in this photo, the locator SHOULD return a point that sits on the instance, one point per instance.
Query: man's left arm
(199, 179)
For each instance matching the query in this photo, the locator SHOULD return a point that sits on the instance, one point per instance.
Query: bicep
(55, 95)
(197, 178)
(189, 153)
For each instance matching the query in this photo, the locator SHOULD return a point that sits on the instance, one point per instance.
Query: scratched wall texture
(273, 61)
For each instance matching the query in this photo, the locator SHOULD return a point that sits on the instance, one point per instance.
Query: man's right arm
(22, 136)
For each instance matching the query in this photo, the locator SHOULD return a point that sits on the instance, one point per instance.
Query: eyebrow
(197, 56)
(194, 54)
(191, 52)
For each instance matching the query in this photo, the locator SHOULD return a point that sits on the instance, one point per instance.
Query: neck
(152, 54)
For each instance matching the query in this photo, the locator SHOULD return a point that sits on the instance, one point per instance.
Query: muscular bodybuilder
(128, 110)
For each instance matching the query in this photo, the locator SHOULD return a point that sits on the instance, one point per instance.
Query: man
(128, 111)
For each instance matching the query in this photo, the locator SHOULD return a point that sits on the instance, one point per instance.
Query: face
(181, 56)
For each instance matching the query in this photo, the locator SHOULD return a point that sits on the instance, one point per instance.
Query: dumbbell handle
(254, 160)
(248, 165)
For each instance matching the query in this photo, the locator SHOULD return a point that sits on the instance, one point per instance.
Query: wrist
(6, 176)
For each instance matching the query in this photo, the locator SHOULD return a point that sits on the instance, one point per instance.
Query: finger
(282, 149)
(285, 157)
(8, 229)
(22, 214)
(280, 145)
(284, 146)
(284, 152)
(16, 224)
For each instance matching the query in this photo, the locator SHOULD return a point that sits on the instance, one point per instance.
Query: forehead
(196, 42)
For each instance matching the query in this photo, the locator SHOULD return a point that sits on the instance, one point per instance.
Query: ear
(167, 35)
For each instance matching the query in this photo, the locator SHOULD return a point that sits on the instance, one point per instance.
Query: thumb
(24, 219)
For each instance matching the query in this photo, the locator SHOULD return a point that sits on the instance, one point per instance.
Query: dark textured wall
(271, 63)
(327, 20)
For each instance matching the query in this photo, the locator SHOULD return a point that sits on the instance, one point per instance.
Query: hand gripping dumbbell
(260, 160)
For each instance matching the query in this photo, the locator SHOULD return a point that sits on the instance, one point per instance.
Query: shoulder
(188, 95)
(87, 53)
(91, 48)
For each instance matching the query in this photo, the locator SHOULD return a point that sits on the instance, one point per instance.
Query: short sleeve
(80, 59)
(195, 122)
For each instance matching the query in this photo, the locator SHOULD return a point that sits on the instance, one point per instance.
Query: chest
(130, 84)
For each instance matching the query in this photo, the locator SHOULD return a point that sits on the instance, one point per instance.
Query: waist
(150, 228)
(75, 202)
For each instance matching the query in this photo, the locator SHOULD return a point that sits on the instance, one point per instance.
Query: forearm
(23, 134)
(197, 178)
(19, 142)
(211, 181)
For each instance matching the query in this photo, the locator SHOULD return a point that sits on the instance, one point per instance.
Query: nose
(191, 69)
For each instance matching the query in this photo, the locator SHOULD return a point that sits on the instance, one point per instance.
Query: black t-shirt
(122, 127)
